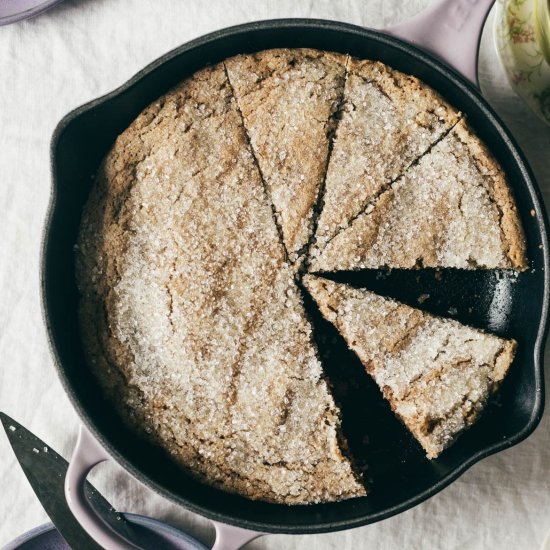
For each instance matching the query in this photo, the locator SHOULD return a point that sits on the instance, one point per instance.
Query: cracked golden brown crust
(437, 374)
(190, 314)
(389, 120)
(288, 98)
(452, 208)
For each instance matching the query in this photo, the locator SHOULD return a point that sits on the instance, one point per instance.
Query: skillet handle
(87, 454)
(449, 29)
(229, 537)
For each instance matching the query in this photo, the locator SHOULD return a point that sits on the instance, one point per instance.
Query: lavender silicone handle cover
(89, 453)
(449, 29)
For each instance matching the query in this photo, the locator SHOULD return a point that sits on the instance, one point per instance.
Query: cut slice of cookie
(288, 99)
(388, 121)
(189, 313)
(437, 374)
(451, 209)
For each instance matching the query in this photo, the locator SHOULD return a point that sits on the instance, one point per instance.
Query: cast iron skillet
(503, 303)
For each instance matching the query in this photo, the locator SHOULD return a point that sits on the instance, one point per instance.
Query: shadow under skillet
(381, 446)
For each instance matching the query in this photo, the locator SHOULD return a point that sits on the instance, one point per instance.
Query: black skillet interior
(504, 303)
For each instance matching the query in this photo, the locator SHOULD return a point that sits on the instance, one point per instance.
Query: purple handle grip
(229, 537)
(449, 29)
(87, 454)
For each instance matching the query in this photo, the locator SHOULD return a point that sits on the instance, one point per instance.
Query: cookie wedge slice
(451, 209)
(388, 121)
(437, 374)
(288, 99)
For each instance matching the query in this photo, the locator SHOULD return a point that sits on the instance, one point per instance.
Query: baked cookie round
(208, 211)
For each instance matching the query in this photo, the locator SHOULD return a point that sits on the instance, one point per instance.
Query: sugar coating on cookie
(202, 223)
(388, 121)
(190, 313)
(453, 208)
(289, 99)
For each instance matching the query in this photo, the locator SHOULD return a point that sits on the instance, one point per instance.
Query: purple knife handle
(87, 454)
(449, 29)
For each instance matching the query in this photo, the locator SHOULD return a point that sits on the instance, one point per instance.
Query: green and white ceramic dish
(522, 37)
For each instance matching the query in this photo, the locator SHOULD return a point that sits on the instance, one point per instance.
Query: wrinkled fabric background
(84, 48)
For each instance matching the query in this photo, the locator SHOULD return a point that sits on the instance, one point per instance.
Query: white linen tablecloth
(84, 48)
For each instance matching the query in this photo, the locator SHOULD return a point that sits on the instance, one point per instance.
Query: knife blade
(45, 471)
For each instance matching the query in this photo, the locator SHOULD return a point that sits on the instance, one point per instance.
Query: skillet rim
(528, 181)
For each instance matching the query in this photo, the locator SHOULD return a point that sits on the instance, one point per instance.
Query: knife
(45, 470)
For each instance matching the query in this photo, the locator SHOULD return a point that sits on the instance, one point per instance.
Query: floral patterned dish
(522, 37)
